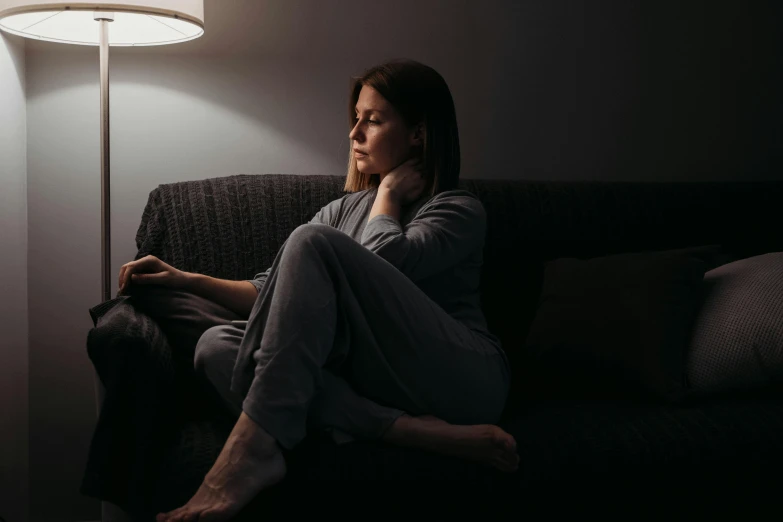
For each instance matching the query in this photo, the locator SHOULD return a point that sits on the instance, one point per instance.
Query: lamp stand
(109, 512)
(103, 19)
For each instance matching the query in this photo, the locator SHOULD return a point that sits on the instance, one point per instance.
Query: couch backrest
(232, 227)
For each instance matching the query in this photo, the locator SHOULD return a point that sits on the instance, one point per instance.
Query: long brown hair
(420, 95)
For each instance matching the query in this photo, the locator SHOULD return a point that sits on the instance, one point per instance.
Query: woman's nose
(355, 134)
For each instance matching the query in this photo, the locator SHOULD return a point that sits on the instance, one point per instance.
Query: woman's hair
(420, 95)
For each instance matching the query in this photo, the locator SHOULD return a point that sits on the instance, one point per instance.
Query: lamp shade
(151, 22)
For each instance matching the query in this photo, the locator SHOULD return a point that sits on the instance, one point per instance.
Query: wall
(611, 90)
(13, 281)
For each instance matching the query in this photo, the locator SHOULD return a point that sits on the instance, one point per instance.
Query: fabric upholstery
(737, 339)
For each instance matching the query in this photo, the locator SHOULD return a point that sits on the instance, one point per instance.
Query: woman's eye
(374, 122)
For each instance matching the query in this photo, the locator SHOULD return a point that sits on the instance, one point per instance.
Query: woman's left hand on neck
(405, 183)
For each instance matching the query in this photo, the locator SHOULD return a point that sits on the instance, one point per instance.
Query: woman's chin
(363, 166)
(367, 170)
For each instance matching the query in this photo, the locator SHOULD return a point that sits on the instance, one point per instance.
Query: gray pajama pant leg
(336, 407)
(331, 303)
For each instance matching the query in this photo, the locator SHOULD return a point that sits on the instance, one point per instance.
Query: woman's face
(380, 138)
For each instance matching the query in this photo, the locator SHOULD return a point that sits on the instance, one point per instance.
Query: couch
(158, 432)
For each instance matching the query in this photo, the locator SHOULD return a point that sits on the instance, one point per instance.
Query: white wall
(13, 282)
(543, 90)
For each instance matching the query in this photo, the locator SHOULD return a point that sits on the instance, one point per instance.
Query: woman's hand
(406, 182)
(150, 270)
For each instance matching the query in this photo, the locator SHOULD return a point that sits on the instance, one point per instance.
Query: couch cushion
(617, 324)
(727, 449)
(737, 340)
(568, 450)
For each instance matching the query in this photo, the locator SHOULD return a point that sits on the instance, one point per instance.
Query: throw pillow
(737, 340)
(617, 326)
(183, 316)
(712, 256)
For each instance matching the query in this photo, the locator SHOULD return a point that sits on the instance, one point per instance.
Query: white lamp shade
(152, 22)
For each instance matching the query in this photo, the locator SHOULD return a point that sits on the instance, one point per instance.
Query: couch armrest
(116, 323)
(122, 332)
(146, 386)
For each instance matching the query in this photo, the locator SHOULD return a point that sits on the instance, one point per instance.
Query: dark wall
(653, 90)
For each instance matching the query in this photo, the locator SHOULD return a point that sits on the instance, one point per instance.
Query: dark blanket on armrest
(149, 390)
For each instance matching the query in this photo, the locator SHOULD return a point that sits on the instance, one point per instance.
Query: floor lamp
(133, 23)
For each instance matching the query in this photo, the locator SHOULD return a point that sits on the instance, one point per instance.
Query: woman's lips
(359, 155)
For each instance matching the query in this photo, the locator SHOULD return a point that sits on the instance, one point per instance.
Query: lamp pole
(103, 19)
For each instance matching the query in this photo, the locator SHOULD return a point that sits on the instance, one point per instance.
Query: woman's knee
(212, 347)
(308, 235)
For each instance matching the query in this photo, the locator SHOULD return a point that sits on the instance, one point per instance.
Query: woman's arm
(385, 203)
(238, 296)
(445, 231)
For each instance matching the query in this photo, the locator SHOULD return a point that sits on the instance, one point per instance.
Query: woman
(368, 323)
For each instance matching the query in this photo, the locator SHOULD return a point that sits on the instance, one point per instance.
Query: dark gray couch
(158, 433)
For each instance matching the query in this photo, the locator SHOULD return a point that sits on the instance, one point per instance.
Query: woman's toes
(504, 440)
(179, 515)
(212, 515)
(166, 517)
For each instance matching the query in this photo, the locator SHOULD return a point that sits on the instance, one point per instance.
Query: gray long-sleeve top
(438, 243)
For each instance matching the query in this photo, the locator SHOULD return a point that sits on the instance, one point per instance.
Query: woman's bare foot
(483, 443)
(249, 462)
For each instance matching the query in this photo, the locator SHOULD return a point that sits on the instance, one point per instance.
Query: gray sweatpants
(342, 341)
